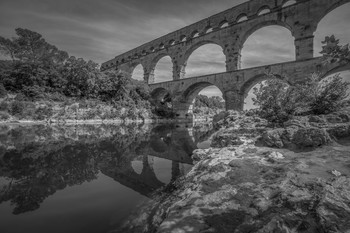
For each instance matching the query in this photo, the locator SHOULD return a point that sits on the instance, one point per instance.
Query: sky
(100, 30)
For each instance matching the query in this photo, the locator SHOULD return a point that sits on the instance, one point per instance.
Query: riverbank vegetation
(41, 81)
(278, 101)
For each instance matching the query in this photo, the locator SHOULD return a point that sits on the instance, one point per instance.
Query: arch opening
(268, 45)
(264, 10)
(242, 18)
(195, 34)
(203, 99)
(336, 23)
(183, 38)
(208, 102)
(248, 90)
(289, 3)
(163, 70)
(223, 24)
(205, 59)
(138, 73)
(208, 30)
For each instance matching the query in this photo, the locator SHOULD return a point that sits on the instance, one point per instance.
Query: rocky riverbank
(256, 178)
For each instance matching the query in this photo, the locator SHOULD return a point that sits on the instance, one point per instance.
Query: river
(87, 178)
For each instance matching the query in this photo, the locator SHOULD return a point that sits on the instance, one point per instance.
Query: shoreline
(98, 121)
(240, 185)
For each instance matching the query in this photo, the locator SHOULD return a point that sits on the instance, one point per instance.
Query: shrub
(278, 101)
(4, 116)
(43, 112)
(3, 92)
(17, 108)
(328, 95)
(4, 106)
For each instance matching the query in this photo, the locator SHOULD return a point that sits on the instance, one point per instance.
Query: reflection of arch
(261, 25)
(248, 85)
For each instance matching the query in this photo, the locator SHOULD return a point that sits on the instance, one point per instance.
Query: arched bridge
(230, 29)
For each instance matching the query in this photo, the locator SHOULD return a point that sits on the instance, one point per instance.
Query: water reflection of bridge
(167, 142)
(42, 168)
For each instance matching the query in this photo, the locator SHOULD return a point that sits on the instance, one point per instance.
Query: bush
(4, 106)
(3, 92)
(43, 112)
(278, 101)
(328, 95)
(17, 108)
(4, 116)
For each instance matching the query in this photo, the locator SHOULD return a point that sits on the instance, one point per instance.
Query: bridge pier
(234, 100)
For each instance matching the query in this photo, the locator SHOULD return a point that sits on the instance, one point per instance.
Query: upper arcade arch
(197, 60)
(335, 22)
(259, 25)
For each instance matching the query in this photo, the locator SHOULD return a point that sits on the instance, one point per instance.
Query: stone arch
(241, 18)
(263, 10)
(287, 3)
(333, 15)
(251, 82)
(224, 23)
(196, 46)
(336, 69)
(208, 29)
(155, 61)
(245, 35)
(134, 69)
(190, 93)
(159, 93)
(328, 10)
(190, 50)
(195, 34)
(183, 38)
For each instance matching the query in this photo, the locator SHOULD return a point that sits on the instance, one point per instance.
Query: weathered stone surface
(224, 139)
(311, 137)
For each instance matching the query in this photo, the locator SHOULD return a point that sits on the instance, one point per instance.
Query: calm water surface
(87, 178)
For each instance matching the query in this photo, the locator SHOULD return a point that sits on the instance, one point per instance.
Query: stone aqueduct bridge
(230, 29)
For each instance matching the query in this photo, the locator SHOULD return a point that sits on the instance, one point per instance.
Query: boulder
(273, 138)
(333, 209)
(311, 137)
(225, 139)
(199, 154)
(219, 118)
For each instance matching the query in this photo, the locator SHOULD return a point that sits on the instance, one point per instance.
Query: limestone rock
(224, 139)
(311, 137)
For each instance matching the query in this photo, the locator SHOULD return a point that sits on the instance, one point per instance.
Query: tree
(333, 52)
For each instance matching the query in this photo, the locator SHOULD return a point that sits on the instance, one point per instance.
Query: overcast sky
(100, 30)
